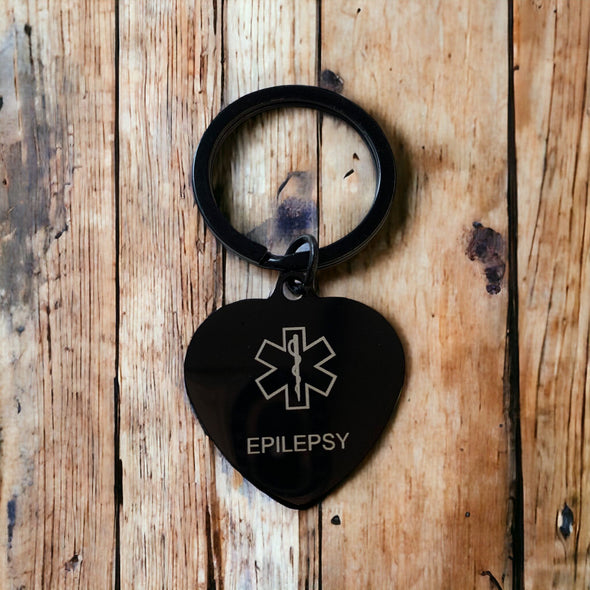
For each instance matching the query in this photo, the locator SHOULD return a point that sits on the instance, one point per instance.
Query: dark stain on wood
(11, 519)
(295, 215)
(335, 520)
(214, 540)
(73, 564)
(493, 581)
(331, 81)
(60, 233)
(487, 246)
(565, 521)
(296, 212)
(28, 207)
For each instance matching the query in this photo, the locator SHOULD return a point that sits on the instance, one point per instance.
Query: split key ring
(311, 97)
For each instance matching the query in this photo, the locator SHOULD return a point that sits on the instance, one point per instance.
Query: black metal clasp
(300, 283)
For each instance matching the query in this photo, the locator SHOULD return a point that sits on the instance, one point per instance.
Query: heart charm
(294, 393)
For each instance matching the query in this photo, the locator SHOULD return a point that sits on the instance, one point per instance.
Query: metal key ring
(277, 97)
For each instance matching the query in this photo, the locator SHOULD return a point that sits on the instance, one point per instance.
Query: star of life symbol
(287, 362)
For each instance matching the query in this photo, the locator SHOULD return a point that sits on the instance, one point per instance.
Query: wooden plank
(187, 519)
(429, 509)
(553, 141)
(57, 294)
(270, 194)
(170, 273)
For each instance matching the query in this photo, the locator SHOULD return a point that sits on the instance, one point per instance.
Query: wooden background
(482, 479)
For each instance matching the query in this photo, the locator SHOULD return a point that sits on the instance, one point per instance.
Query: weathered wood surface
(168, 90)
(106, 269)
(440, 472)
(262, 545)
(57, 294)
(553, 142)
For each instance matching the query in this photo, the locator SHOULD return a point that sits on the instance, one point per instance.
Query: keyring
(278, 97)
(294, 389)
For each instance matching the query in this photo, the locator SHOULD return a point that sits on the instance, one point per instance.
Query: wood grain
(553, 141)
(57, 294)
(273, 178)
(429, 507)
(170, 279)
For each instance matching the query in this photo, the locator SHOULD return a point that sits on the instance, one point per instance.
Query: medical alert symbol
(288, 362)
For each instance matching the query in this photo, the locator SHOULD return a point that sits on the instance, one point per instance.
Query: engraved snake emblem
(294, 351)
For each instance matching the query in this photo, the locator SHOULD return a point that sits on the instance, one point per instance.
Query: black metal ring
(277, 97)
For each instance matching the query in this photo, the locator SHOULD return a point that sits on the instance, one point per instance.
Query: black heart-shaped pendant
(294, 393)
